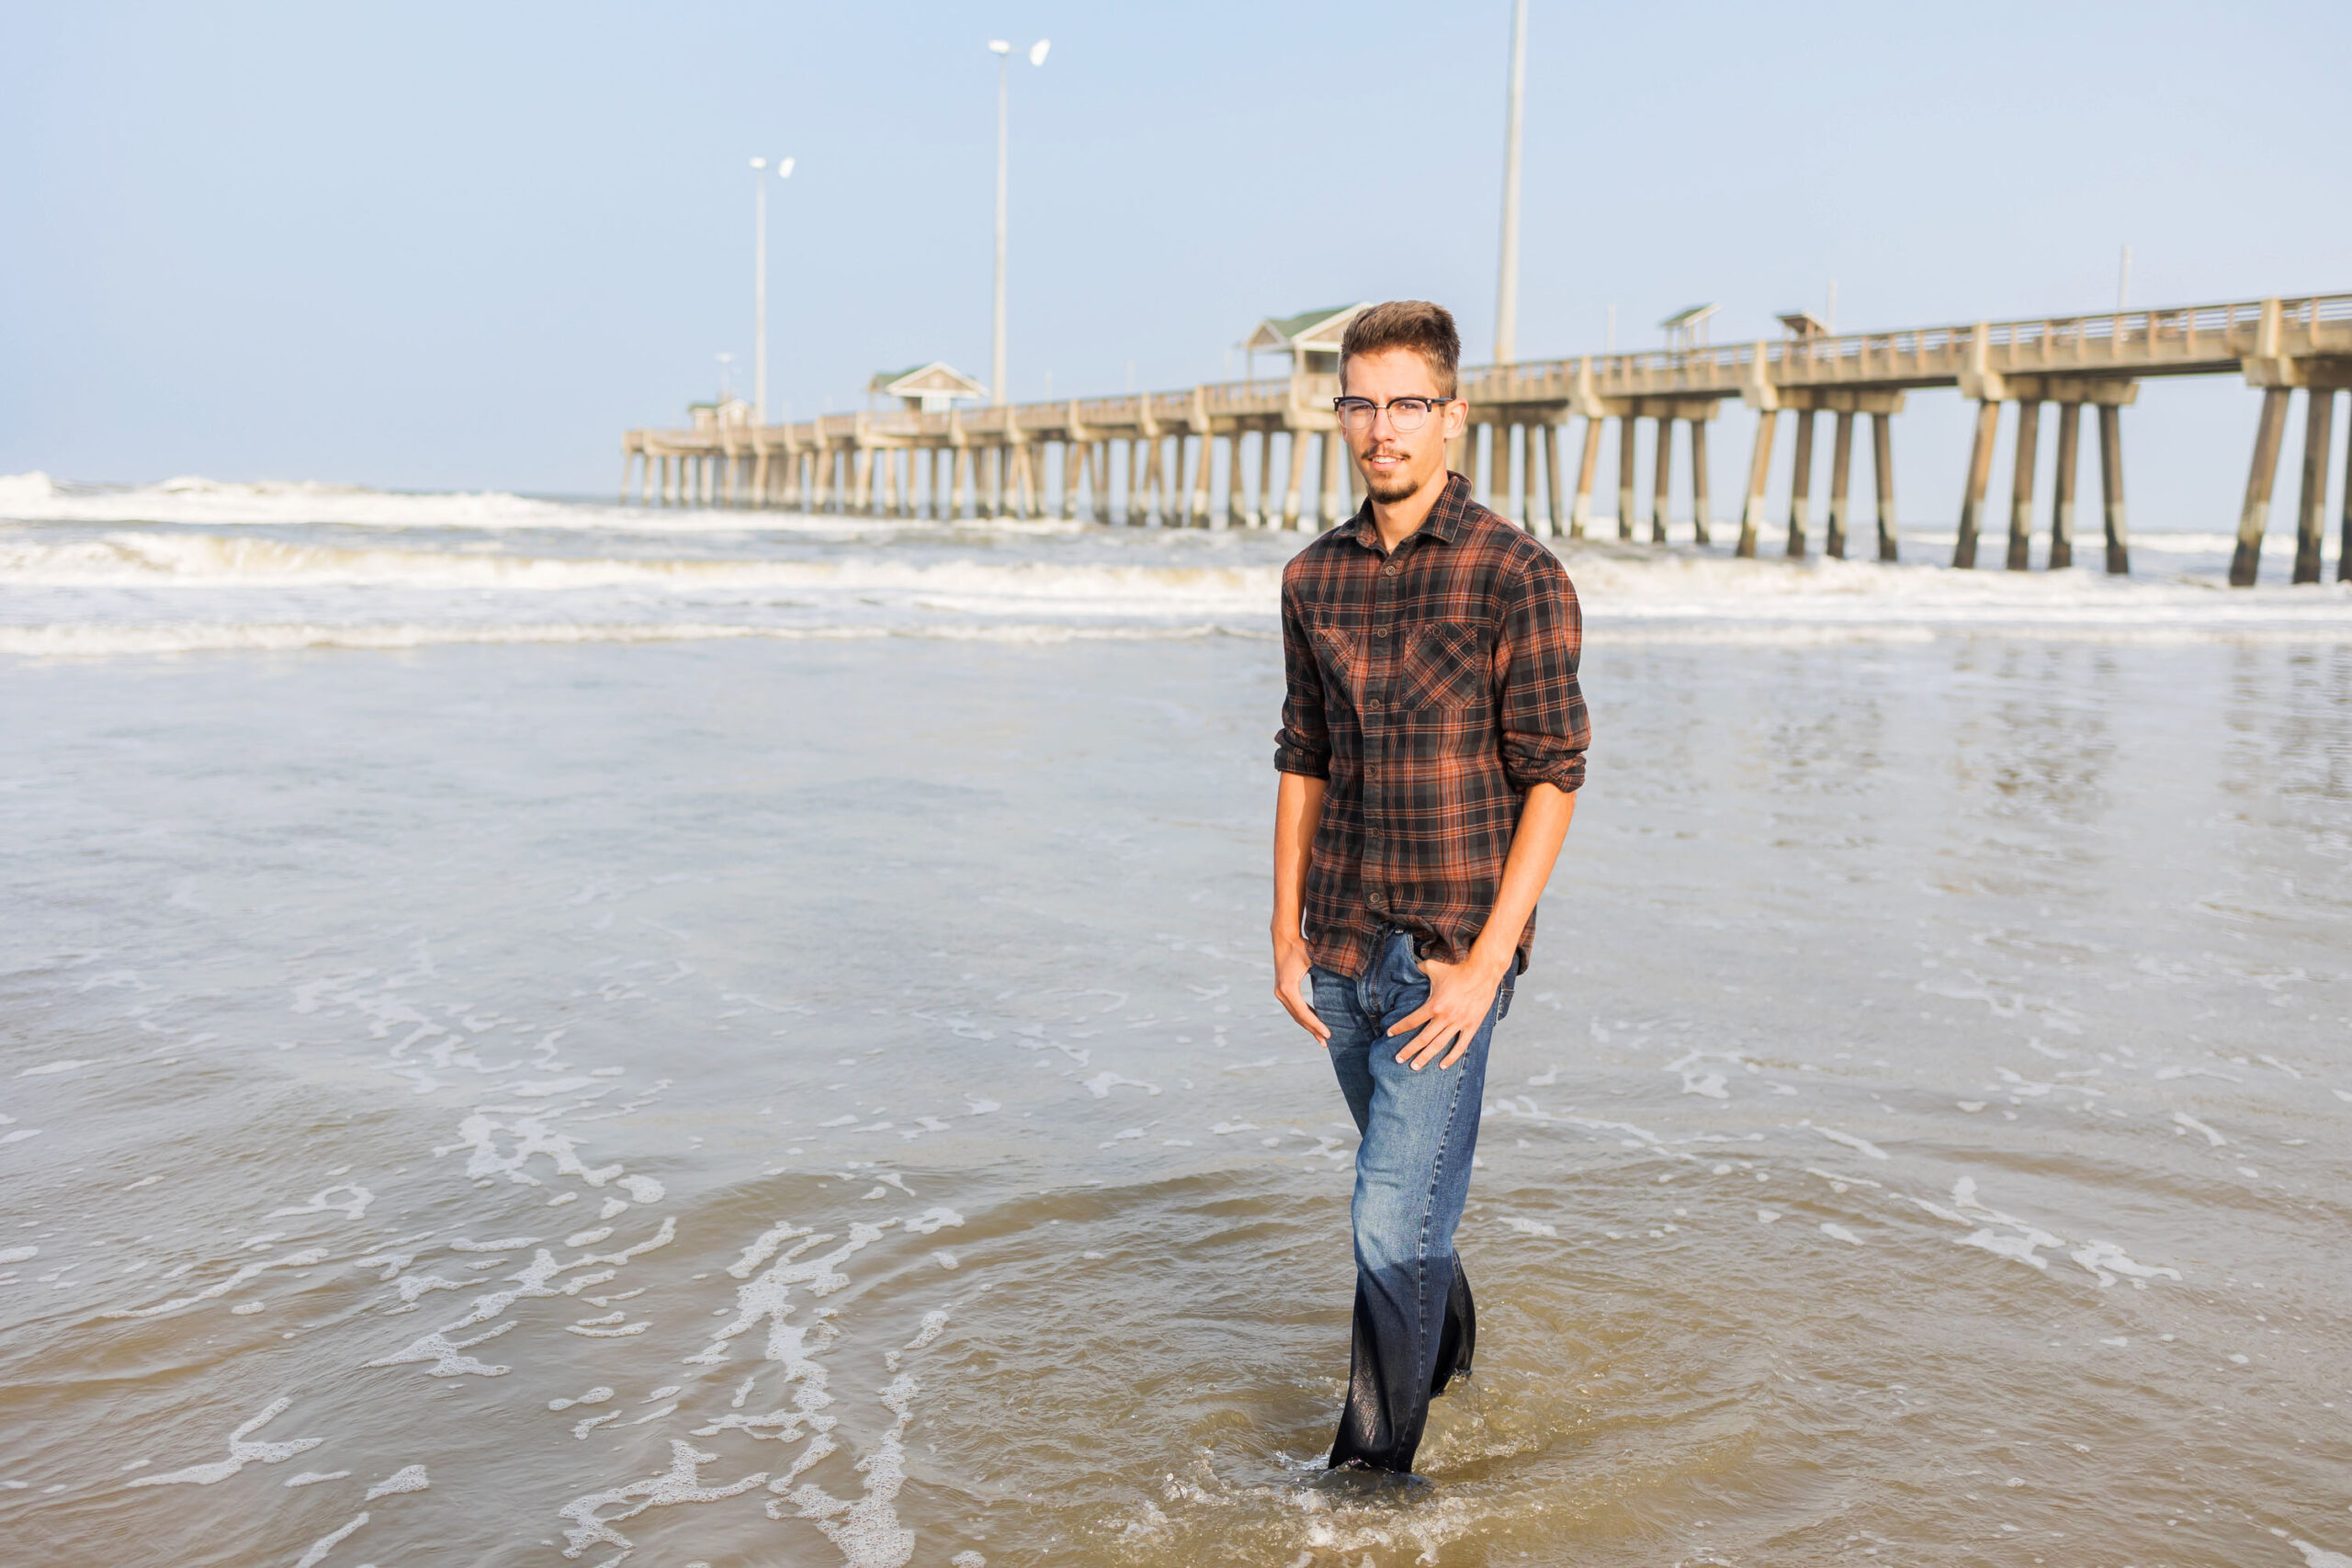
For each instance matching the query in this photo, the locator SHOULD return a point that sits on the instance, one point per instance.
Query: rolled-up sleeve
(1541, 713)
(1304, 743)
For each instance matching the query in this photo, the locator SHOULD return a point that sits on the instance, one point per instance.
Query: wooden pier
(1150, 458)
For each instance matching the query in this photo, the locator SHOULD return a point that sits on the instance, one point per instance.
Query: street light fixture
(1003, 52)
(759, 282)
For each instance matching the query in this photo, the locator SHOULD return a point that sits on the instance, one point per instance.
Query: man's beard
(1396, 487)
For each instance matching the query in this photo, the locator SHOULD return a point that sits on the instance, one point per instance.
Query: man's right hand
(1291, 961)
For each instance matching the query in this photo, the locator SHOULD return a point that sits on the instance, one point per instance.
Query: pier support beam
(1235, 516)
(2344, 541)
(2245, 564)
(1700, 499)
(1327, 493)
(1524, 444)
(1841, 465)
(1585, 468)
(1759, 470)
(1263, 513)
(1554, 521)
(2029, 440)
(1883, 476)
(1800, 486)
(1626, 427)
(1980, 475)
(2311, 513)
(1204, 516)
(1298, 439)
(1662, 478)
(2062, 505)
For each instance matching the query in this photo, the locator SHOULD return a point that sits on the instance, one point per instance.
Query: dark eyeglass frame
(1365, 409)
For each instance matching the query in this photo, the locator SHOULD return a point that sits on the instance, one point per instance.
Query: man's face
(1395, 464)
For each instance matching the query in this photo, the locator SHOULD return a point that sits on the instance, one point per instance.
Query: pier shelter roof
(930, 388)
(1311, 338)
(725, 411)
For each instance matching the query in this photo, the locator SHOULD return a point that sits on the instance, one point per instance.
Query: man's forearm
(1298, 811)
(1544, 819)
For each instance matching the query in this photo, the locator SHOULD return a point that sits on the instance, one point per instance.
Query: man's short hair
(1426, 329)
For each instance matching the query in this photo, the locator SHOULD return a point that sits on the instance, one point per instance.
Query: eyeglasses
(1405, 414)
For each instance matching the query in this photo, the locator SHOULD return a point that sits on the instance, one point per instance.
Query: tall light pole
(759, 282)
(1506, 288)
(1003, 52)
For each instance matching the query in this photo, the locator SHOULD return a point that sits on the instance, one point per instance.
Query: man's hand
(1460, 995)
(1290, 962)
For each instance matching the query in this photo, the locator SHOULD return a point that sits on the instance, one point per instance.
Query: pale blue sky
(435, 245)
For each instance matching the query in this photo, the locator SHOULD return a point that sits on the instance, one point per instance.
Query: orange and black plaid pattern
(1432, 690)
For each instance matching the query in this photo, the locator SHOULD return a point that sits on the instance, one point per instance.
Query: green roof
(1292, 326)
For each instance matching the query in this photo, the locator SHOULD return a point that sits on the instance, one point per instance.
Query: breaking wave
(196, 565)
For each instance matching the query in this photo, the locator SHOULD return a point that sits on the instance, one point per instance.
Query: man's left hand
(1460, 997)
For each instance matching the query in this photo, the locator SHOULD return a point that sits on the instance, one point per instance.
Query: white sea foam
(1861, 1145)
(680, 1484)
(2188, 1123)
(92, 639)
(328, 1542)
(196, 565)
(242, 1451)
(36, 497)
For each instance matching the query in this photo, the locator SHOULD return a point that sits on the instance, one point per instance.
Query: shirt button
(1388, 570)
(1380, 631)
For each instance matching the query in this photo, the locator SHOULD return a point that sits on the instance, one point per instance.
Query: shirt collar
(1447, 514)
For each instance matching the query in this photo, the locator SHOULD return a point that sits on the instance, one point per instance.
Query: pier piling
(1800, 485)
(1841, 463)
(2061, 507)
(2254, 516)
(1662, 478)
(1883, 476)
(2310, 511)
(1759, 473)
(1980, 475)
(1626, 428)
(2020, 556)
(1587, 467)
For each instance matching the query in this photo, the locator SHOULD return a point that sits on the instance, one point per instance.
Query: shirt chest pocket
(1443, 665)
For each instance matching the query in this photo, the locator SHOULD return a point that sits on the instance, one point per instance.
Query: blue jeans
(1416, 1325)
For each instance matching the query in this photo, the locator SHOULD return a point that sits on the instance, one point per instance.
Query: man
(1434, 736)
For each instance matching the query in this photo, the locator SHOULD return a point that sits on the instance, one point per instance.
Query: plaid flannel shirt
(1430, 689)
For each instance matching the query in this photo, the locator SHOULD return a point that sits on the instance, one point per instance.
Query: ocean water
(537, 1033)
